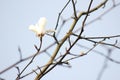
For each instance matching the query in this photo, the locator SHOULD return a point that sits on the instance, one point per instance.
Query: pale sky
(17, 15)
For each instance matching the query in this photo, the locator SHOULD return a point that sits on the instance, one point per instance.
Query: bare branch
(61, 13)
(104, 65)
(20, 52)
(74, 9)
(38, 50)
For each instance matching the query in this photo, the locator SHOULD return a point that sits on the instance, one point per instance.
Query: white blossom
(39, 28)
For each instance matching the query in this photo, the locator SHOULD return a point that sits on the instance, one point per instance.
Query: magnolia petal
(42, 23)
(39, 28)
(33, 28)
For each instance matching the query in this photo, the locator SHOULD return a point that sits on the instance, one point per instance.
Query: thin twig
(20, 52)
(54, 36)
(102, 37)
(38, 50)
(61, 13)
(113, 45)
(100, 16)
(62, 24)
(104, 65)
(27, 58)
(100, 53)
(87, 14)
(74, 9)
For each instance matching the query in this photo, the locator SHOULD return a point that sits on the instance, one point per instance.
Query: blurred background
(17, 15)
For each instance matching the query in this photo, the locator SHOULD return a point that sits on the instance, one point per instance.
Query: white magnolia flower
(39, 28)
